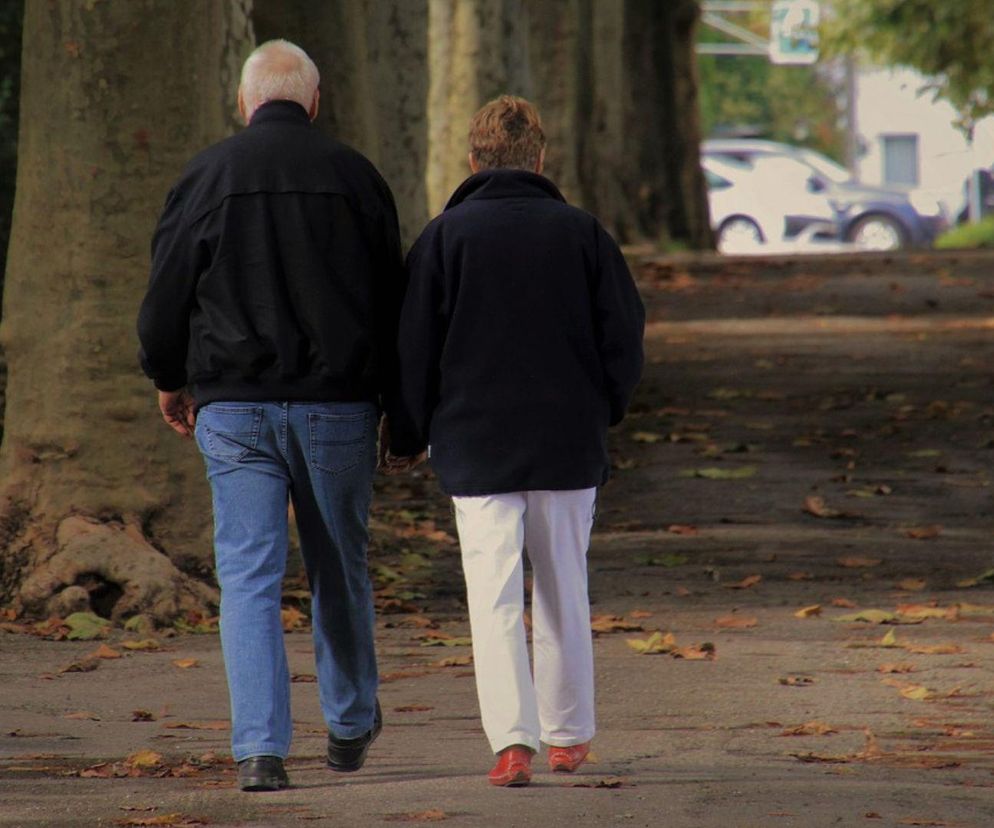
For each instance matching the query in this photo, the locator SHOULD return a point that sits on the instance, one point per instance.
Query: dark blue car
(873, 218)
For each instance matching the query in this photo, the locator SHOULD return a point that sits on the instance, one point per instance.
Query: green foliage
(747, 95)
(949, 41)
(968, 236)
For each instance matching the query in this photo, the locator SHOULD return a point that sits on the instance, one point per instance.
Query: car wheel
(877, 232)
(739, 235)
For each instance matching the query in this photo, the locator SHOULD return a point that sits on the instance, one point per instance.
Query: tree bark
(477, 50)
(372, 55)
(100, 497)
(663, 123)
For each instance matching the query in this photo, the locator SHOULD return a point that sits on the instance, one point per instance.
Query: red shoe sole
(515, 780)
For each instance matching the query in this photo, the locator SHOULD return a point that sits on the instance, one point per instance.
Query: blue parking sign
(794, 31)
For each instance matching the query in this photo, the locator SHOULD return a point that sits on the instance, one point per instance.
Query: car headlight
(926, 204)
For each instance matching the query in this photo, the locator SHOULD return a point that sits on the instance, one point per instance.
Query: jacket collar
(280, 111)
(504, 183)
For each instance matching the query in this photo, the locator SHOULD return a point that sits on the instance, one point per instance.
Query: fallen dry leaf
(185, 663)
(640, 614)
(843, 603)
(924, 611)
(432, 815)
(292, 619)
(610, 782)
(808, 612)
(896, 667)
(703, 652)
(912, 584)
(923, 532)
(218, 724)
(796, 681)
(855, 562)
(812, 728)
(84, 665)
(173, 820)
(735, 622)
(455, 661)
(103, 651)
(613, 623)
(800, 576)
(142, 716)
(815, 505)
(82, 715)
(303, 678)
(934, 649)
(746, 583)
(681, 529)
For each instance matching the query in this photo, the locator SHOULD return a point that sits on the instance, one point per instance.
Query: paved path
(810, 434)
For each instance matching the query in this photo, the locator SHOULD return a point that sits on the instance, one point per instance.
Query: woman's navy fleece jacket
(520, 340)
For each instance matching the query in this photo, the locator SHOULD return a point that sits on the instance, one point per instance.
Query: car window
(715, 181)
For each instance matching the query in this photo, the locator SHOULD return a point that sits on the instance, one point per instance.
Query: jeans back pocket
(337, 441)
(227, 432)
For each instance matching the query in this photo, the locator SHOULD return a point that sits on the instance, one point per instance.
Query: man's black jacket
(276, 270)
(520, 340)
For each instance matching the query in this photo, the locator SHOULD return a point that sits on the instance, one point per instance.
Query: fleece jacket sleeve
(619, 319)
(419, 347)
(164, 316)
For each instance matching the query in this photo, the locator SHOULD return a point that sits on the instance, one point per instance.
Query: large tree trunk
(477, 50)
(372, 55)
(97, 490)
(663, 123)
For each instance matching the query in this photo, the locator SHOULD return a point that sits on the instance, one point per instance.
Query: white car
(767, 205)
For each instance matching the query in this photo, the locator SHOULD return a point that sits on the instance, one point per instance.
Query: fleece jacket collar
(504, 183)
(279, 111)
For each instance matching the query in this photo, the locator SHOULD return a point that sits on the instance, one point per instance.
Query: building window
(900, 157)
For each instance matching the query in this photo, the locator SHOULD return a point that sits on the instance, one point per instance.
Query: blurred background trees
(102, 507)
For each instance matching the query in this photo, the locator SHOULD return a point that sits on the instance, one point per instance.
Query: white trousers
(557, 706)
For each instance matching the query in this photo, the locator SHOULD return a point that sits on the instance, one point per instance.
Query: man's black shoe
(347, 755)
(262, 773)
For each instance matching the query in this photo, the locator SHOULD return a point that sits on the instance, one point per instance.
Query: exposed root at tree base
(111, 569)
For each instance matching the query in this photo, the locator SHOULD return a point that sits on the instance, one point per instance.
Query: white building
(908, 139)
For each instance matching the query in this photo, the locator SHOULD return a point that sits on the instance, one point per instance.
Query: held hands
(390, 464)
(179, 411)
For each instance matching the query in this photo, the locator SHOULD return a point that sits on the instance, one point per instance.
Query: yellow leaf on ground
(843, 603)
(912, 584)
(655, 643)
(185, 663)
(82, 715)
(144, 644)
(808, 612)
(927, 611)
(292, 619)
(705, 651)
(143, 759)
(915, 692)
(640, 614)
(646, 437)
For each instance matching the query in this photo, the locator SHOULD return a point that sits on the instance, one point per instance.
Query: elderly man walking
(520, 343)
(268, 328)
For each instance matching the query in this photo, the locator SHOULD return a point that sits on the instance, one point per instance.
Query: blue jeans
(321, 458)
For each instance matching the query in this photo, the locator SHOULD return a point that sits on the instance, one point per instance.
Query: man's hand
(179, 411)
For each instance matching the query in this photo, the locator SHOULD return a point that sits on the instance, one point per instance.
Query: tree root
(116, 572)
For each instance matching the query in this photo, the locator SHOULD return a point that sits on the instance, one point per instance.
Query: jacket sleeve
(390, 281)
(419, 347)
(619, 321)
(164, 316)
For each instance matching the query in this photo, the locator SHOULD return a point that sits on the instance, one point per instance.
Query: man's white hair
(278, 70)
